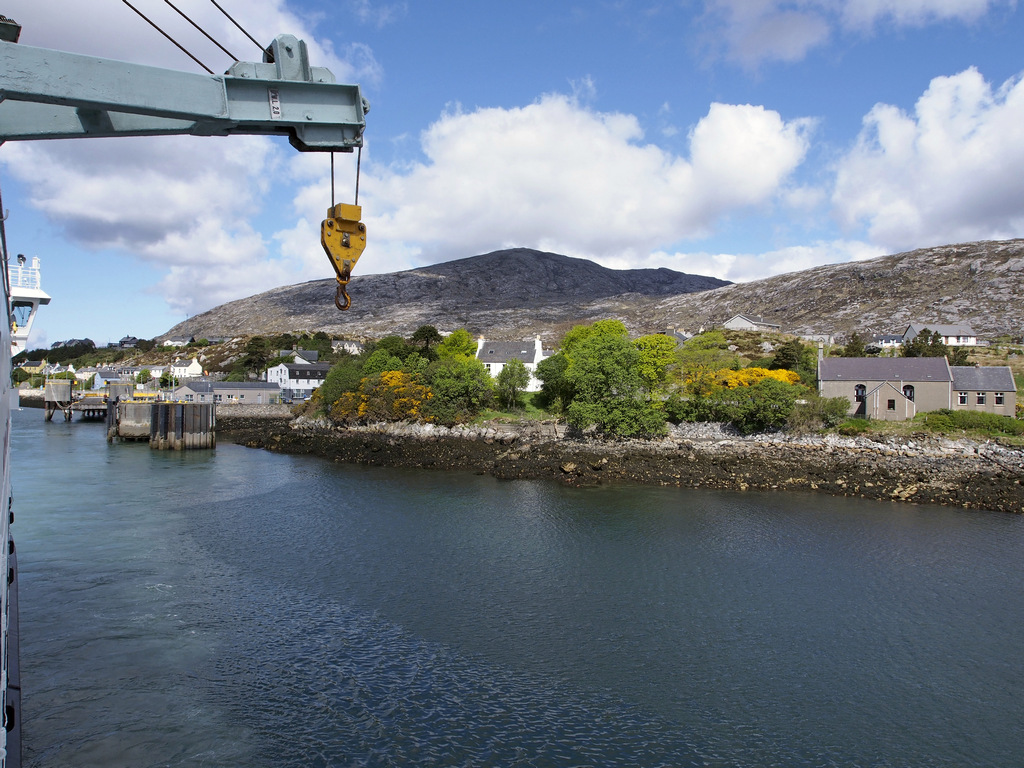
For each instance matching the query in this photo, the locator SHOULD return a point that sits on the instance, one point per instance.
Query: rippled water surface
(239, 608)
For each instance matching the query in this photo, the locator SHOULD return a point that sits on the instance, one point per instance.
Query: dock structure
(57, 397)
(167, 426)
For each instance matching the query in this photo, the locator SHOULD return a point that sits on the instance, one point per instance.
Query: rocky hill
(981, 284)
(510, 293)
(520, 293)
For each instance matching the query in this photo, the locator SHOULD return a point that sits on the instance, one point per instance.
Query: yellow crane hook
(343, 237)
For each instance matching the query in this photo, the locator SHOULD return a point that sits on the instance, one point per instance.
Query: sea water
(242, 608)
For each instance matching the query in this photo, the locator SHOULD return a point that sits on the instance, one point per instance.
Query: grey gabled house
(898, 388)
(984, 388)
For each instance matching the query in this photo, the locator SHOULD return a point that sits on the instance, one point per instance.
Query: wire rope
(244, 32)
(158, 29)
(207, 34)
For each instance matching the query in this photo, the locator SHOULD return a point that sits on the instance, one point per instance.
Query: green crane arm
(47, 94)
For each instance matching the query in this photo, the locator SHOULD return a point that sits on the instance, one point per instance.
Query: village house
(750, 323)
(952, 335)
(887, 388)
(180, 369)
(898, 388)
(494, 355)
(984, 388)
(342, 345)
(297, 380)
(242, 392)
(300, 356)
(177, 341)
(885, 341)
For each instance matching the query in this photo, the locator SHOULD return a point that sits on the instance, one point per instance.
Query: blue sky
(734, 138)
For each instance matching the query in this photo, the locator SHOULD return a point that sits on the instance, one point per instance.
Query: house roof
(503, 351)
(307, 370)
(220, 386)
(943, 330)
(990, 378)
(884, 369)
(754, 321)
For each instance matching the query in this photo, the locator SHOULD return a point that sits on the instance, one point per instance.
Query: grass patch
(528, 410)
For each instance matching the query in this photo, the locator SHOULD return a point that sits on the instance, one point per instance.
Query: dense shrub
(854, 427)
(978, 421)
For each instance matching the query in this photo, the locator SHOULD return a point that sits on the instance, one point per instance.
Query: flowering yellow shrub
(750, 376)
(389, 396)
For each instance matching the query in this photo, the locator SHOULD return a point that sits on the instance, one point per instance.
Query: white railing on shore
(24, 277)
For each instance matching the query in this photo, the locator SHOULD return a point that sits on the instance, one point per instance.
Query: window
(908, 392)
(981, 398)
(961, 398)
(859, 392)
(216, 398)
(892, 405)
(1000, 398)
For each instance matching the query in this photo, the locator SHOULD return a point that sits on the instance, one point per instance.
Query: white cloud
(751, 32)
(948, 173)
(915, 13)
(743, 267)
(557, 176)
(192, 207)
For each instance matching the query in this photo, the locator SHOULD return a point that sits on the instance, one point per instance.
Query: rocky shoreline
(922, 469)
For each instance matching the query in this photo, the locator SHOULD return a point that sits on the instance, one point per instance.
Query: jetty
(168, 426)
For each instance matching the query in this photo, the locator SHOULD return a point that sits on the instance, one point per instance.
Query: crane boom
(47, 94)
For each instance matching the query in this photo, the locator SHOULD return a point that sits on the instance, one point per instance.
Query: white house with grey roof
(984, 388)
(494, 355)
(298, 380)
(961, 335)
(750, 323)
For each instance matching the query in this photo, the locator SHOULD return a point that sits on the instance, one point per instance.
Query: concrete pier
(167, 426)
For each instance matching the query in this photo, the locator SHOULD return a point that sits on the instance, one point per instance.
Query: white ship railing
(24, 277)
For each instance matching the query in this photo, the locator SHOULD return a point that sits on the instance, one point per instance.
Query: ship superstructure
(27, 296)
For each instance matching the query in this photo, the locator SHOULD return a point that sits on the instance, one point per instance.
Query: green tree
(461, 388)
(657, 354)
(603, 371)
(425, 337)
(344, 376)
(381, 360)
(459, 343)
(765, 405)
(556, 390)
(257, 354)
(395, 346)
(144, 377)
(512, 379)
(854, 346)
(925, 344)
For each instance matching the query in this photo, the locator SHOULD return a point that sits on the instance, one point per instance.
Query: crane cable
(182, 48)
(244, 32)
(207, 34)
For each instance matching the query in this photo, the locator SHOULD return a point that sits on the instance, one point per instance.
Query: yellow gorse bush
(391, 396)
(749, 376)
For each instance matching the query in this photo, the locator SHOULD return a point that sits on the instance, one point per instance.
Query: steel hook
(338, 294)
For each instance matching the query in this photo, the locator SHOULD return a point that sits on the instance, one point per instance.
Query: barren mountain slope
(517, 291)
(521, 293)
(978, 283)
